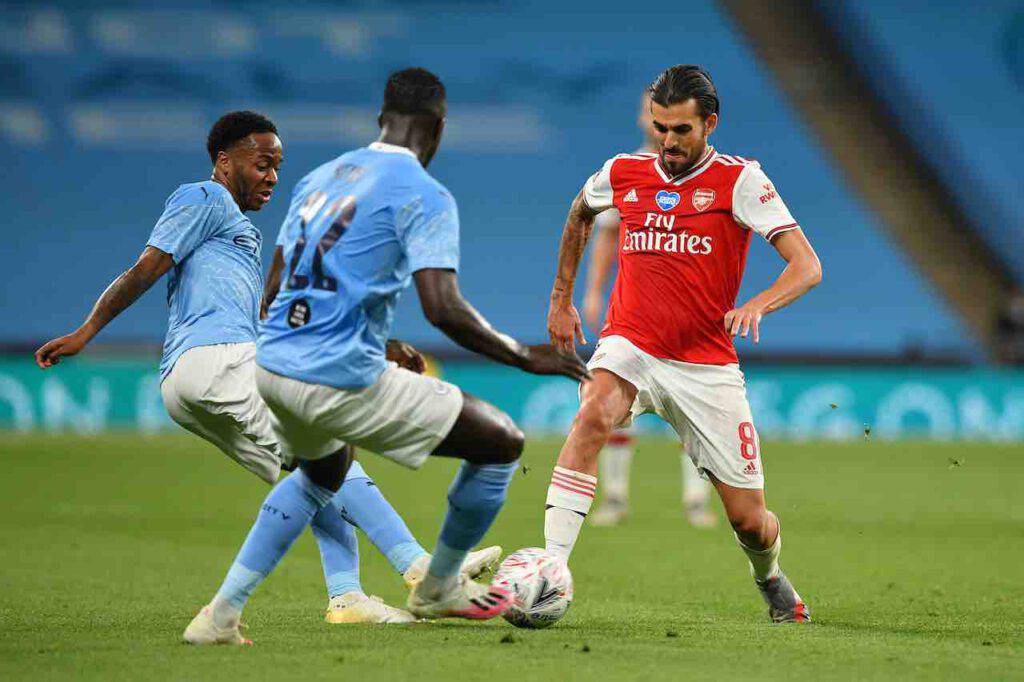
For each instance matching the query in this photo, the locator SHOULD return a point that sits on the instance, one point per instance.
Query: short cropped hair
(414, 91)
(682, 82)
(234, 126)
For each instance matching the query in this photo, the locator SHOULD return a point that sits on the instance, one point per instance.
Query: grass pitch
(911, 557)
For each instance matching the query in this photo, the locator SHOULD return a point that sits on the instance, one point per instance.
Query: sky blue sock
(364, 505)
(339, 549)
(285, 513)
(474, 499)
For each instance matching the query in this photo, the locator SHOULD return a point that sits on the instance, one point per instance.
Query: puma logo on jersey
(630, 197)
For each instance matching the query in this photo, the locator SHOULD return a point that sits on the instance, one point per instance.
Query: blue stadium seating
(953, 75)
(104, 109)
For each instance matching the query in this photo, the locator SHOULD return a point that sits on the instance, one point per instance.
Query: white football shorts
(211, 391)
(403, 416)
(705, 404)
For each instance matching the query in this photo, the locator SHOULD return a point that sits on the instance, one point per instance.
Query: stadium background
(104, 110)
(892, 130)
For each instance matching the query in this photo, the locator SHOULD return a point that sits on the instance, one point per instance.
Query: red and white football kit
(682, 249)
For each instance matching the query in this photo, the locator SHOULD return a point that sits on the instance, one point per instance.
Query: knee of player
(594, 419)
(749, 522)
(513, 442)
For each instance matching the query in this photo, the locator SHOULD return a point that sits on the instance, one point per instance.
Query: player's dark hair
(234, 126)
(414, 91)
(682, 82)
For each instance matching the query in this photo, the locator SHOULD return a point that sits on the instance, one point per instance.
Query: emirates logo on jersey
(703, 198)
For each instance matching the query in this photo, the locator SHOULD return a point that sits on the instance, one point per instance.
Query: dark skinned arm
(446, 309)
(122, 292)
(273, 283)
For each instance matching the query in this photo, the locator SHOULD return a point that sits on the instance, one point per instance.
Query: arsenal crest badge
(703, 198)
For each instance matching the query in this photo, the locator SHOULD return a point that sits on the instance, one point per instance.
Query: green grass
(913, 567)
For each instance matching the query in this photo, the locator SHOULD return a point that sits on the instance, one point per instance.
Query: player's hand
(564, 327)
(593, 309)
(546, 359)
(744, 320)
(405, 355)
(52, 351)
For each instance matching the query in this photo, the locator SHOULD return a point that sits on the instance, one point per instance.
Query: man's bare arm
(445, 308)
(802, 273)
(564, 325)
(122, 292)
(273, 283)
(602, 258)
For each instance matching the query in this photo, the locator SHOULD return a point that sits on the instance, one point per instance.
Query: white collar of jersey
(697, 169)
(391, 148)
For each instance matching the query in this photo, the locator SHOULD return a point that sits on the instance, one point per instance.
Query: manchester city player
(212, 252)
(359, 229)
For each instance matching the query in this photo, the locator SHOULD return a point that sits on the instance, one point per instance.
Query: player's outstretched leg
(758, 533)
(284, 514)
(614, 464)
(604, 402)
(696, 495)
(339, 553)
(490, 443)
(363, 505)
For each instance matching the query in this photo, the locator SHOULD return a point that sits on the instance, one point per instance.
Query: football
(541, 583)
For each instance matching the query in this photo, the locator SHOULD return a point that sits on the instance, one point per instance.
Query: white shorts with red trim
(706, 405)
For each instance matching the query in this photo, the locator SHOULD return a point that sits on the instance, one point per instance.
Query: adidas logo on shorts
(750, 469)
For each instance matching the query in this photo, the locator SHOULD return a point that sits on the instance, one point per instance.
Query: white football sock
(614, 463)
(764, 563)
(569, 498)
(696, 490)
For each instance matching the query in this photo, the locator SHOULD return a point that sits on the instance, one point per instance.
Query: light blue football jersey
(214, 290)
(356, 230)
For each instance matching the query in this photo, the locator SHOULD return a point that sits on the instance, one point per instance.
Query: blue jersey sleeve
(432, 231)
(189, 219)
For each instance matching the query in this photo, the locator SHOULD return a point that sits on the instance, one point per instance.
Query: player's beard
(246, 192)
(692, 161)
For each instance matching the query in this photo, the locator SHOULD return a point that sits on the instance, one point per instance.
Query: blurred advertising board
(803, 403)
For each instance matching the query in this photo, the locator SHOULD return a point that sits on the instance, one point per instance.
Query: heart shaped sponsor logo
(666, 200)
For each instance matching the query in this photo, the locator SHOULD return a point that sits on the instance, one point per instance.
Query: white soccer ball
(542, 586)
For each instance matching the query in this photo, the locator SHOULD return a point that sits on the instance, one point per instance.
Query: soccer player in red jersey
(687, 216)
(616, 457)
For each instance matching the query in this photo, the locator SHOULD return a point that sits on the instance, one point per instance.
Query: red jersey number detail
(748, 441)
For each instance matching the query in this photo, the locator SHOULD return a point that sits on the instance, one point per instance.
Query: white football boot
(356, 607)
(475, 564)
(463, 599)
(203, 630)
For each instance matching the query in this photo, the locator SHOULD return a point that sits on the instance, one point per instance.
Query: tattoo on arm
(578, 225)
(127, 288)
